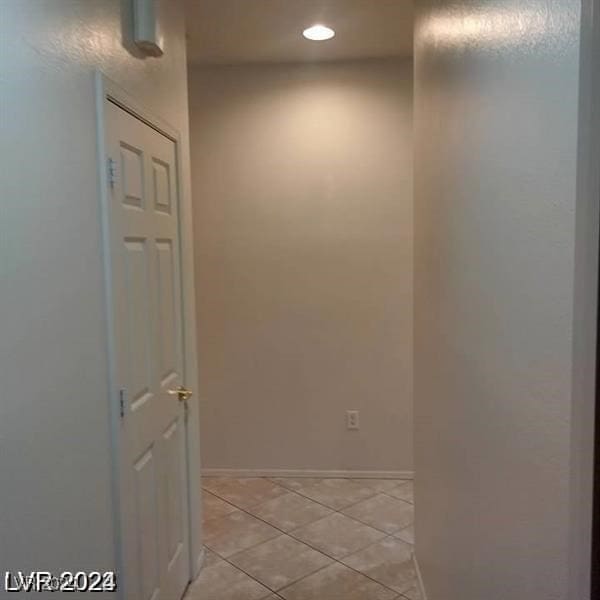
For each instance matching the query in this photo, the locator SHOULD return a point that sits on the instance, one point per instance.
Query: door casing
(107, 89)
(595, 189)
(584, 551)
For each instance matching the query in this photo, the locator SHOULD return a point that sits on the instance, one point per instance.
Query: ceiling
(242, 31)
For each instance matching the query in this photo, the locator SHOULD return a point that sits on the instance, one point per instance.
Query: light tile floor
(307, 539)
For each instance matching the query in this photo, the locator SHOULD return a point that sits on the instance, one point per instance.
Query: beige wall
(303, 220)
(496, 137)
(55, 470)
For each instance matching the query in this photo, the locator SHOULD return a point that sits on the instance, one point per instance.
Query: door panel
(172, 441)
(162, 187)
(148, 341)
(146, 525)
(166, 309)
(133, 175)
(139, 368)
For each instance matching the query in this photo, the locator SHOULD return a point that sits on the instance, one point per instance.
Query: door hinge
(122, 402)
(112, 172)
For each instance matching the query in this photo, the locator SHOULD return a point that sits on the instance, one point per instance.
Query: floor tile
(389, 562)
(404, 491)
(407, 534)
(243, 492)
(379, 485)
(210, 558)
(337, 535)
(290, 511)
(223, 581)
(295, 483)
(337, 493)
(414, 593)
(270, 565)
(236, 532)
(337, 582)
(213, 507)
(280, 562)
(382, 512)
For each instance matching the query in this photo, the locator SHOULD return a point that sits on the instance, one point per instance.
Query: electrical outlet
(352, 419)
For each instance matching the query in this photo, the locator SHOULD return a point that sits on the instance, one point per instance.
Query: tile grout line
(377, 493)
(282, 532)
(339, 561)
(340, 510)
(387, 533)
(265, 542)
(290, 534)
(399, 499)
(270, 590)
(335, 560)
(299, 493)
(261, 582)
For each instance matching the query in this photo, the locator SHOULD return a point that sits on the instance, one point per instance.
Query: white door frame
(107, 89)
(587, 228)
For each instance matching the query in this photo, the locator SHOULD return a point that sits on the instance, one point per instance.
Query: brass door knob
(181, 392)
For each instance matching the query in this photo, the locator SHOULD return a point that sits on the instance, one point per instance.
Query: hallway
(314, 251)
(307, 539)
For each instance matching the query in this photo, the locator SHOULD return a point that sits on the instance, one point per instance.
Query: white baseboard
(409, 475)
(419, 577)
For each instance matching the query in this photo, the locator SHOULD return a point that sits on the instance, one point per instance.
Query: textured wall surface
(302, 182)
(54, 461)
(496, 99)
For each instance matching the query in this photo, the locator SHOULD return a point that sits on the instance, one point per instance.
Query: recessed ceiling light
(318, 33)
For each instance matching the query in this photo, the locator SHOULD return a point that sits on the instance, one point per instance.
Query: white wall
(55, 507)
(302, 183)
(495, 194)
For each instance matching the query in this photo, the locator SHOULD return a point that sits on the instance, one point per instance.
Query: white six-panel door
(145, 287)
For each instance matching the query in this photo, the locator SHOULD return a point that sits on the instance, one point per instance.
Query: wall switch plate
(352, 419)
